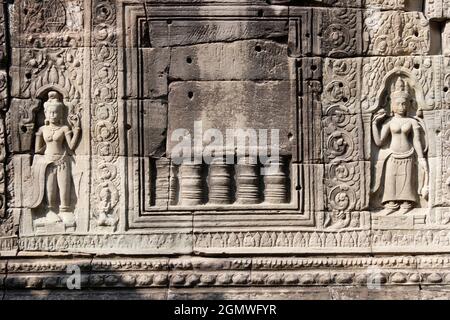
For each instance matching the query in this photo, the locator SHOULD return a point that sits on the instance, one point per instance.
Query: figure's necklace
(54, 130)
(402, 120)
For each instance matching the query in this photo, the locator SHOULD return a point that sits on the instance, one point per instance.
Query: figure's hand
(423, 163)
(425, 192)
(75, 120)
(379, 117)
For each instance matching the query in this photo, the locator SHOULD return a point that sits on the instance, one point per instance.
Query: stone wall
(94, 93)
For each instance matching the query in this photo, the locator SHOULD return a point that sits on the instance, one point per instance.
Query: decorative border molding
(32, 273)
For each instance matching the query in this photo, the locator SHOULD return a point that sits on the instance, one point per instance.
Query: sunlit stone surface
(342, 189)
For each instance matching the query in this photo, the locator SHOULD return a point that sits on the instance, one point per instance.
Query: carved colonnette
(107, 181)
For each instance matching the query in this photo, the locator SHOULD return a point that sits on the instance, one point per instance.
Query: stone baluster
(174, 185)
(276, 181)
(220, 182)
(162, 182)
(192, 189)
(247, 181)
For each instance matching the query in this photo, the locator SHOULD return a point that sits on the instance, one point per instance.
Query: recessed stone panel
(222, 105)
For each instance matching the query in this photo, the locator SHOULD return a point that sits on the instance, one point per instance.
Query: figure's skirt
(400, 182)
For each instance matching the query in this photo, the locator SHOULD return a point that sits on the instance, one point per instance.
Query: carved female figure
(51, 165)
(401, 138)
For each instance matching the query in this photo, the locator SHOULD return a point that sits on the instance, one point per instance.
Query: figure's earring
(420, 113)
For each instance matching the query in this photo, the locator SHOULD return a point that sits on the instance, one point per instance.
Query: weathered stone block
(178, 32)
(386, 4)
(337, 32)
(242, 60)
(437, 9)
(249, 105)
(48, 23)
(410, 36)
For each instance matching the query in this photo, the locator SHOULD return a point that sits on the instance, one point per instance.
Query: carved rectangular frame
(294, 215)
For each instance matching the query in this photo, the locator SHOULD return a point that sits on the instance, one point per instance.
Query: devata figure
(402, 171)
(55, 142)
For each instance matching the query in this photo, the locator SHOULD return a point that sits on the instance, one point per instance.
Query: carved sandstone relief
(52, 162)
(49, 23)
(220, 188)
(336, 81)
(104, 124)
(385, 4)
(395, 34)
(401, 169)
(7, 223)
(437, 9)
(46, 114)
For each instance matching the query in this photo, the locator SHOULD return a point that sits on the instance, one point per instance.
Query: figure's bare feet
(52, 217)
(40, 222)
(67, 218)
(405, 208)
(102, 219)
(390, 208)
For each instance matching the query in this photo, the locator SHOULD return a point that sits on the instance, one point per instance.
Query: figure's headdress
(400, 89)
(53, 99)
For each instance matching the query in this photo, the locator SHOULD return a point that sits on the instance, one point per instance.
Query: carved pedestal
(162, 182)
(276, 181)
(248, 181)
(192, 190)
(220, 182)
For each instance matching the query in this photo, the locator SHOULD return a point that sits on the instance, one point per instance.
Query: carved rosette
(105, 143)
(338, 33)
(341, 122)
(345, 190)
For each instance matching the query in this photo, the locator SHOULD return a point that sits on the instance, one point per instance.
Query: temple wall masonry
(105, 103)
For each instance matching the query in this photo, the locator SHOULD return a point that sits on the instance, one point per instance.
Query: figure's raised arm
(40, 143)
(73, 136)
(380, 137)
